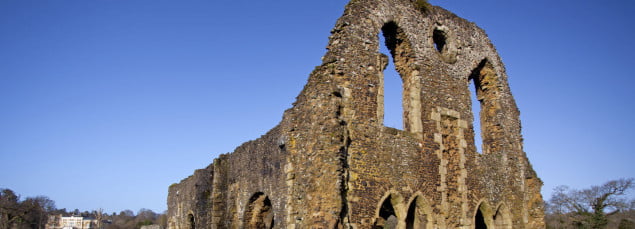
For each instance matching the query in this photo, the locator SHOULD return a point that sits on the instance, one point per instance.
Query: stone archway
(387, 215)
(502, 218)
(259, 212)
(390, 212)
(419, 214)
(191, 222)
(483, 217)
(479, 220)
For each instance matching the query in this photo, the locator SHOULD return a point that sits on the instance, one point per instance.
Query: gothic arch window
(502, 218)
(483, 217)
(191, 222)
(479, 220)
(485, 107)
(399, 94)
(419, 214)
(388, 212)
(476, 114)
(259, 212)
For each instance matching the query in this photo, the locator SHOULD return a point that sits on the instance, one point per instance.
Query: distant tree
(31, 213)
(146, 215)
(126, 212)
(124, 220)
(99, 216)
(35, 216)
(8, 196)
(589, 208)
(9, 208)
(34, 212)
(61, 211)
(47, 204)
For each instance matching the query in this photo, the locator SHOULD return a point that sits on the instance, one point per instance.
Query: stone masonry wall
(190, 199)
(331, 162)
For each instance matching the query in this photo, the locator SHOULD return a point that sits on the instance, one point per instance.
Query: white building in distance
(71, 222)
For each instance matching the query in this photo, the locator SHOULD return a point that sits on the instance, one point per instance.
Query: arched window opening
(483, 217)
(191, 221)
(502, 218)
(411, 218)
(387, 215)
(399, 94)
(259, 212)
(417, 217)
(479, 220)
(487, 90)
(439, 37)
(392, 81)
(476, 114)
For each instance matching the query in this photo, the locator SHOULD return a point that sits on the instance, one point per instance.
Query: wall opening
(488, 131)
(476, 114)
(387, 215)
(440, 39)
(191, 221)
(411, 218)
(479, 220)
(392, 82)
(399, 94)
(502, 218)
(417, 217)
(259, 212)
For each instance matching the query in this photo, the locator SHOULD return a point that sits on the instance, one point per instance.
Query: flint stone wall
(331, 162)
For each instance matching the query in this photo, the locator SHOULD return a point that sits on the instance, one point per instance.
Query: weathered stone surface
(153, 226)
(331, 163)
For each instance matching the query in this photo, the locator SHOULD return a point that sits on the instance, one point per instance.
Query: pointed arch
(502, 217)
(390, 211)
(419, 214)
(403, 56)
(483, 216)
(191, 221)
(487, 86)
(259, 212)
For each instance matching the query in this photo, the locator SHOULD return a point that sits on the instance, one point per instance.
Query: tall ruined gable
(332, 163)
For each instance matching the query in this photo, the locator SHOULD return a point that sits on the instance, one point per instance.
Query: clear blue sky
(105, 103)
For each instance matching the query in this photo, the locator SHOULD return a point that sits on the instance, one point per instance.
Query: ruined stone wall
(189, 200)
(331, 162)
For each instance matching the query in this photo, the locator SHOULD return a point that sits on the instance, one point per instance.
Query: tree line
(36, 212)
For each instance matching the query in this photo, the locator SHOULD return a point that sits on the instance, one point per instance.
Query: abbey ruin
(332, 163)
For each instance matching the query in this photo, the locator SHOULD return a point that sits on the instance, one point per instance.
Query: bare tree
(590, 208)
(145, 217)
(99, 216)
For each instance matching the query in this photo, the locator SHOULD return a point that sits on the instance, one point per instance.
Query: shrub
(423, 5)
